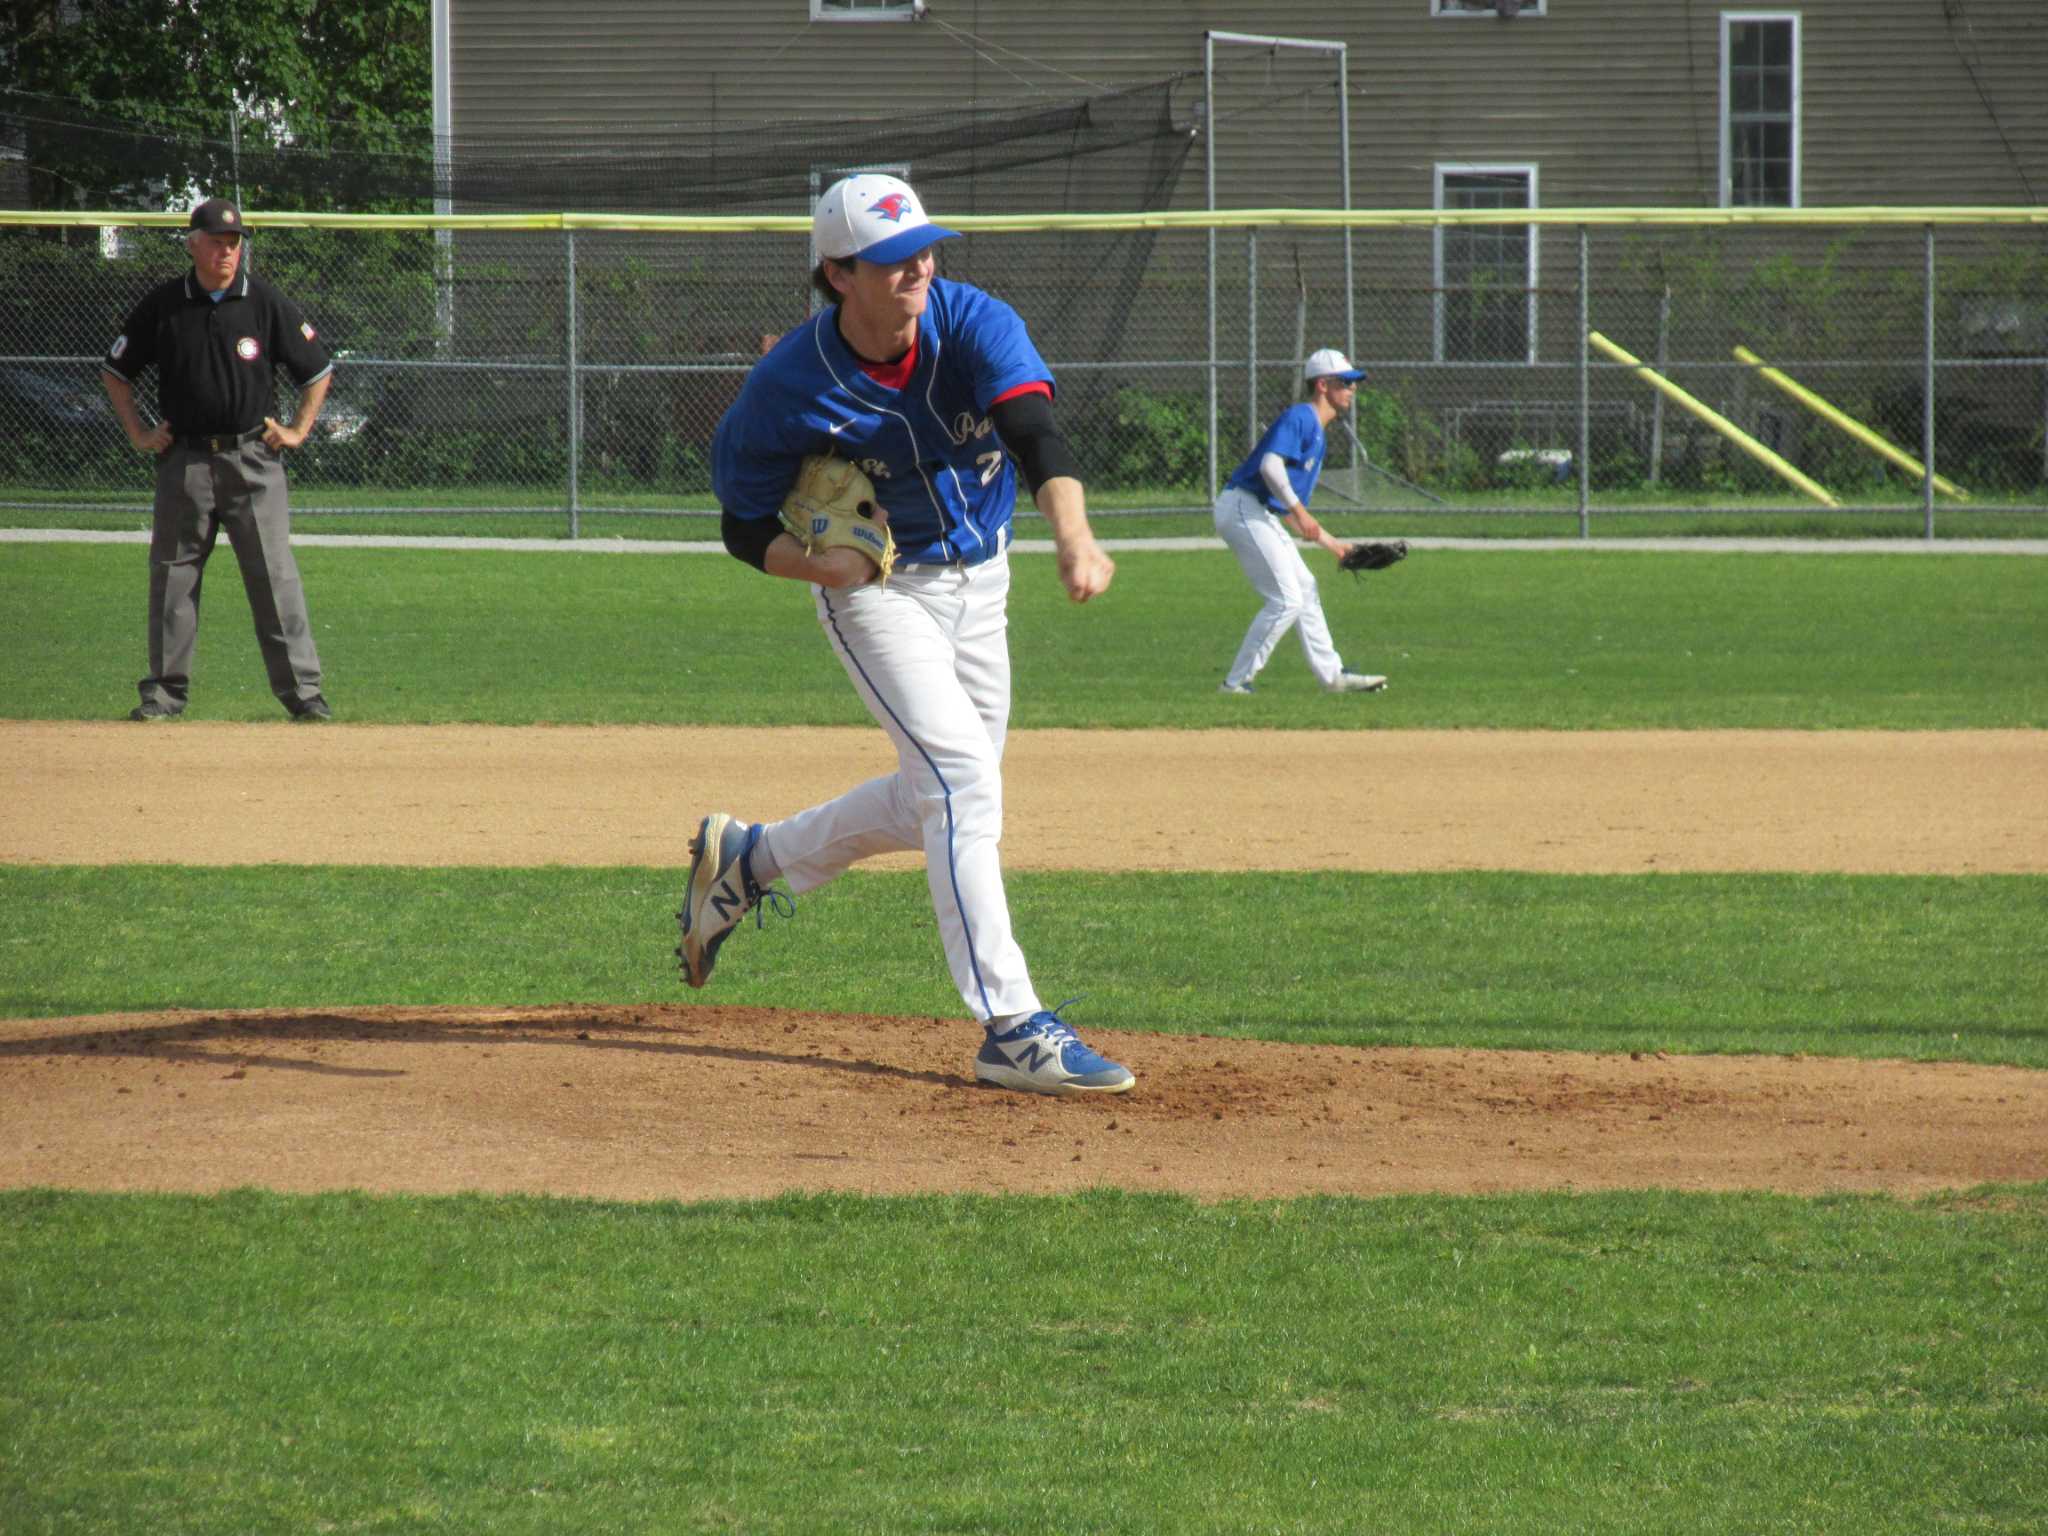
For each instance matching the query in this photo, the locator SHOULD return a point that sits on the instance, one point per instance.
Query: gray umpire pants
(241, 489)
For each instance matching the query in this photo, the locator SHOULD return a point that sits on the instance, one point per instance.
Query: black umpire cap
(217, 216)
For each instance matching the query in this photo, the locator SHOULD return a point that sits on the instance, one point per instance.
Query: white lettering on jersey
(120, 345)
(967, 426)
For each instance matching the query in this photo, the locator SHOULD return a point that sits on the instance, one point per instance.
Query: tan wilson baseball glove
(833, 507)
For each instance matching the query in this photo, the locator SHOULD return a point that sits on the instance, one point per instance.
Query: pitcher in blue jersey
(935, 390)
(1264, 499)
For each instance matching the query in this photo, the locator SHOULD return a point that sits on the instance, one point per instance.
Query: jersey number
(991, 464)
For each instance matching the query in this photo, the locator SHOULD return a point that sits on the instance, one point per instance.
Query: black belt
(219, 442)
(978, 556)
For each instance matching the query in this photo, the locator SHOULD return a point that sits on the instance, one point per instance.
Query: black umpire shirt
(215, 362)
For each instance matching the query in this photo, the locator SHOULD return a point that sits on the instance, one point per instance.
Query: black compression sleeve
(1027, 429)
(748, 538)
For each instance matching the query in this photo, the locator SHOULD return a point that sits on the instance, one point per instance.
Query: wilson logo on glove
(833, 507)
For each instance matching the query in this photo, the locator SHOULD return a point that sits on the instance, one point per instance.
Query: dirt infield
(695, 1100)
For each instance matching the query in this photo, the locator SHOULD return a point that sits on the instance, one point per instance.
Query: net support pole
(1261, 40)
(1585, 386)
(1927, 401)
(575, 390)
(444, 180)
(1251, 330)
(1209, 202)
(1344, 161)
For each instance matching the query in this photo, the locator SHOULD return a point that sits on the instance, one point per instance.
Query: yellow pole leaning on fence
(1833, 415)
(1717, 421)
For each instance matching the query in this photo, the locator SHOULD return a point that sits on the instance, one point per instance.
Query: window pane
(1485, 298)
(1743, 155)
(1761, 172)
(1509, 189)
(1771, 150)
(1762, 112)
(1777, 90)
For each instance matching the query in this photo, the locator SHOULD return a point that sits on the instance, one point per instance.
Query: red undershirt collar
(892, 375)
(897, 374)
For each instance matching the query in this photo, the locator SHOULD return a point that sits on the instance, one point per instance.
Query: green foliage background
(308, 75)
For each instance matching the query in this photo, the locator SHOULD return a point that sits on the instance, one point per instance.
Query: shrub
(1160, 440)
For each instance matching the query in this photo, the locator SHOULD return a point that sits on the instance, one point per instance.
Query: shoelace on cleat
(1059, 1031)
(763, 899)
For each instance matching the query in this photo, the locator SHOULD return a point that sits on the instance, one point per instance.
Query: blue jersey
(930, 448)
(1297, 436)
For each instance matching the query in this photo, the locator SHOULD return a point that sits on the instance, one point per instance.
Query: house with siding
(1458, 104)
(1580, 102)
(1454, 104)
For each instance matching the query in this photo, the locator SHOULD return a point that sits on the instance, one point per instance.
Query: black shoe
(312, 711)
(153, 709)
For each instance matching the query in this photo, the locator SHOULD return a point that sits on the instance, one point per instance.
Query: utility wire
(986, 51)
(1950, 11)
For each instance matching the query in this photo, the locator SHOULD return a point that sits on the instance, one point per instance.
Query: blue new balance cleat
(721, 891)
(1042, 1055)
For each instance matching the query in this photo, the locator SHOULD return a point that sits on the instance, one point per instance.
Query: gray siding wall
(1616, 101)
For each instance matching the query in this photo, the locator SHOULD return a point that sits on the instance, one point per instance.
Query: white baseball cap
(1331, 364)
(876, 218)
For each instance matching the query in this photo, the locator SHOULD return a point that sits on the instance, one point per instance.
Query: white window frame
(1447, 168)
(1729, 21)
(897, 10)
(1484, 10)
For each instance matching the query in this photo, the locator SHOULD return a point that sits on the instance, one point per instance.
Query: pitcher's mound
(690, 1103)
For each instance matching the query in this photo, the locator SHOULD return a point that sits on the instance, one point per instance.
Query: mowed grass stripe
(1101, 1363)
(1472, 639)
(1928, 967)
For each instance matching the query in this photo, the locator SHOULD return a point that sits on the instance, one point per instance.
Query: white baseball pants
(930, 655)
(1272, 563)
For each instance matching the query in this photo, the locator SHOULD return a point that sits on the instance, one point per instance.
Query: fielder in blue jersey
(934, 389)
(1264, 500)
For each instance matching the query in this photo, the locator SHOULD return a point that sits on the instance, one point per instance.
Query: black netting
(1120, 151)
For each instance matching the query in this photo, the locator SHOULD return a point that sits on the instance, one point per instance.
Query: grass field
(1933, 968)
(1567, 640)
(522, 511)
(1105, 1362)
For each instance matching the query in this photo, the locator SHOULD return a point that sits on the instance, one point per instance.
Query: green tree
(302, 103)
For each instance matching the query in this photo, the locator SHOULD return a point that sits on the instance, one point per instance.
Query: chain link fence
(572, 371)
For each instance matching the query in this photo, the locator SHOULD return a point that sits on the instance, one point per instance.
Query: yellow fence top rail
(1241, 218)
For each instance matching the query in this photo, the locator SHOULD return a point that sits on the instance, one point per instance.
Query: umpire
(216, 336)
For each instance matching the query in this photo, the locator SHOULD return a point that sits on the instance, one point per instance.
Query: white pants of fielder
(1272, 563)
(929, 654)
